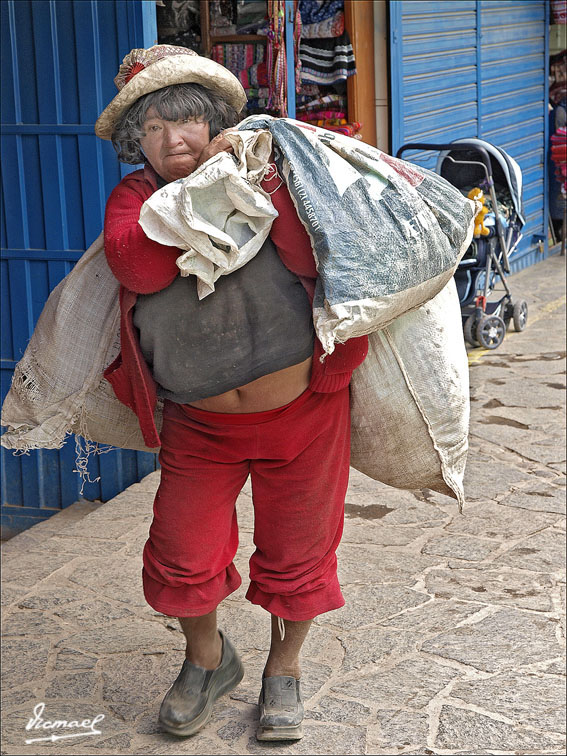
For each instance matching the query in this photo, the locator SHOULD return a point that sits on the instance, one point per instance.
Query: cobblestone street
(452, 640)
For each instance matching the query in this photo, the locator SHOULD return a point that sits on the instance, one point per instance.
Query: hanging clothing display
(237, 57)
(321, 18)
(247, 62)
(323, 54)
(260, 66)
(326, 61)
(276, 57)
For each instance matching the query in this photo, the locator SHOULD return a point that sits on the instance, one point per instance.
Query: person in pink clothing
(244, 392)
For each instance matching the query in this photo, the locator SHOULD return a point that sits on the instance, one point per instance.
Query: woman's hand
(216, 145)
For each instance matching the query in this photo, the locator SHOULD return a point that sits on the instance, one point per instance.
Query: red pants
(298, 459)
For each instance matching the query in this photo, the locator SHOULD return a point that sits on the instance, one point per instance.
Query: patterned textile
(326, 61)
(310, 90)
(315, 115)
(331, 27)
(261, 92)
(315, 11)
(328, 120)
(276, 57)
(348, 129)
(333, 100)
(254, 76)
(237, 57)
(339, 125)
(559, 11)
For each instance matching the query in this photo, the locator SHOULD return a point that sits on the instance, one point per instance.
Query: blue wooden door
(59, 58)
(475, 68)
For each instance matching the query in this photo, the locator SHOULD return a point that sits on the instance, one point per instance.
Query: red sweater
(143, 266)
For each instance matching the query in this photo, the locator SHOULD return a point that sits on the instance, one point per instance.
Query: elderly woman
(244, 392)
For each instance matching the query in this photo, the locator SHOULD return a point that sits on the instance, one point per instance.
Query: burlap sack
(58, 387)
(387, 235)
(410, 401)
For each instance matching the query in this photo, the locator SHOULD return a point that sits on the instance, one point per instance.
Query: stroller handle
(483, 154)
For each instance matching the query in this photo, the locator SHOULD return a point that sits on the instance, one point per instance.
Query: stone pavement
(452, 638)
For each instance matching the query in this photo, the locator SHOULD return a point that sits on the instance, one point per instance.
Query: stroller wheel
(490, 331)
(508, 314)
(469, 330)
(520, 315)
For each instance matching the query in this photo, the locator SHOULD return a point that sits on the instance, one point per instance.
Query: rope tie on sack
(272, 173)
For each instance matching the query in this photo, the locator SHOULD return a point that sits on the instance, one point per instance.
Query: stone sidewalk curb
(452, 640)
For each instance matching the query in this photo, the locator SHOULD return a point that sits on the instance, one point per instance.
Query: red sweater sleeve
(289, 235)
(140, 264)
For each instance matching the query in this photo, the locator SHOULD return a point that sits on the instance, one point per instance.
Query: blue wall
(59, 59)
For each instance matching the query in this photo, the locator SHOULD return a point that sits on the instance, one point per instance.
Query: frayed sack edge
(15, 440)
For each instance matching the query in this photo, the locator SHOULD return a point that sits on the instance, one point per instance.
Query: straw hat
(143, 71)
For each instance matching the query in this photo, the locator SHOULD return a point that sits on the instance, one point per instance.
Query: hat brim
(174, 69)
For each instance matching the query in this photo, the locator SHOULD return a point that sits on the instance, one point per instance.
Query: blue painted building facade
(59, 59)
(476, 68)
(458, 68)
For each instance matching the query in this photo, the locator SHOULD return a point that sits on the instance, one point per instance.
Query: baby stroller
(478, 168)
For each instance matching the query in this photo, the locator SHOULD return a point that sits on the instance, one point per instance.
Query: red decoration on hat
(138, 59)
(136, 68)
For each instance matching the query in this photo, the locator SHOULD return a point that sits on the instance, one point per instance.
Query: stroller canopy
(505, 170)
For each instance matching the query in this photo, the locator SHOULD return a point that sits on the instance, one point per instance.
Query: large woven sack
(410, 401)
(387, 235)
(58, 387)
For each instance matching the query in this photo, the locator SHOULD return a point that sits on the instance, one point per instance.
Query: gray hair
(173, 103)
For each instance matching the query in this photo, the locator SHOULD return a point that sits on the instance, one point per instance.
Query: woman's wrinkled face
(173, 147)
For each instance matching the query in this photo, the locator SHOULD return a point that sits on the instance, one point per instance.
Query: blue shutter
(514, 104)
(59, 58)
(475, 68)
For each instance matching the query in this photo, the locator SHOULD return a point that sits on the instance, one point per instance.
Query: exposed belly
(265, 393)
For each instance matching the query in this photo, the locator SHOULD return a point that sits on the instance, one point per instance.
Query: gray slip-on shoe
(281, 709)
(188, 704)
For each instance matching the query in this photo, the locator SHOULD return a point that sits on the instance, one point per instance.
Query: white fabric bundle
(217, 214)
